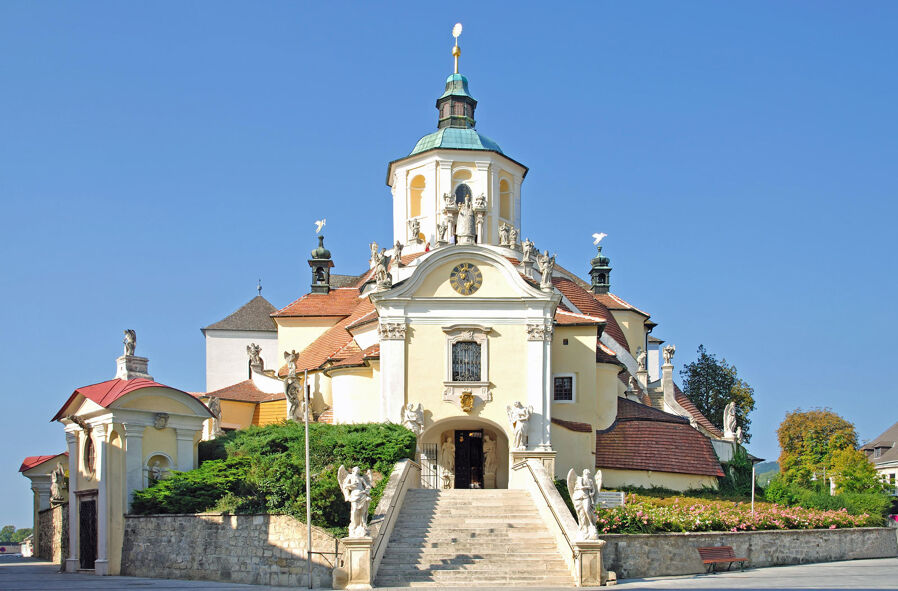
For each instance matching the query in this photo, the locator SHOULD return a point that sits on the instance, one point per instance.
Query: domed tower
(448, 166)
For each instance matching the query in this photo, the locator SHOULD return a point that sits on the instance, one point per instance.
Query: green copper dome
(456, 138)
(456, 85)
(321, 252)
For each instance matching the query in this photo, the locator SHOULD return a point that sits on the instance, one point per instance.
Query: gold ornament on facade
(467, 401)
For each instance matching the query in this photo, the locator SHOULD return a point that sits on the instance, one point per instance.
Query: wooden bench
(714, 555)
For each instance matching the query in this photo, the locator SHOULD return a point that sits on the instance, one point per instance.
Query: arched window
(462, 192)
(416, 196)
(505, 199)
(460, 180)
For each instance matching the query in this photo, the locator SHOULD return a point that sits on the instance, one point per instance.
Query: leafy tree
(6, 533)
(808, 440)
(712, 383)
(21, 534)
(854, 473)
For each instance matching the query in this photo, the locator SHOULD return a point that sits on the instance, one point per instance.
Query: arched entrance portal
(463, 452)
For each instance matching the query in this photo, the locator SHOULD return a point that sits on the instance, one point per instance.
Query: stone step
(425, 579)
(467, 547)
(512, 562)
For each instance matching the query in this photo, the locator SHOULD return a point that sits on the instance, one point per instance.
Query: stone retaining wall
(53, 534)
(656, 555)
(254, 549)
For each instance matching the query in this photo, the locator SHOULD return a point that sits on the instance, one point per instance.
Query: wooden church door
(469, 459)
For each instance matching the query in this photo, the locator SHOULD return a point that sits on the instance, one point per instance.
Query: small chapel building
(458, 318)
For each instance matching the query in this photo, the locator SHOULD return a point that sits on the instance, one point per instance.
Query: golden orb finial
(456, 51)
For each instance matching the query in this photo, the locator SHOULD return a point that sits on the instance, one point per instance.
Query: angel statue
(546, 266)
(584, 491)
(130, 341)
(214, 405)
(413, 417)
(255, 355)
(296, 406)
(729, 420)
(519, 417)
(528, 251)
(357, 492)
(57, 484)
(290, 357)
(381, 276)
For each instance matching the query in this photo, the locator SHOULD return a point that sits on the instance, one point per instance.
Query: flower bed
(645, 515)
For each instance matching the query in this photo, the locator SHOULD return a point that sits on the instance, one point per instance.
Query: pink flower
(833, 526)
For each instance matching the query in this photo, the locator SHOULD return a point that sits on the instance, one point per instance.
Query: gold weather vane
(456, 51)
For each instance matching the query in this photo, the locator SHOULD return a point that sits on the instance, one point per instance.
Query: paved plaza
(22, 574)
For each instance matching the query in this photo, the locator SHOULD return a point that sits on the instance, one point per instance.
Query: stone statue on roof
(512, 236)
(546, 266)
(373, 247)
(414, 228)
(640, 358)
(255, 355)
(465, 231)
(381, 276)
(130, 341)
(729, 420)
(503, 234)
(290, 357)
(442, 228)
(528, 251)
(668, 353)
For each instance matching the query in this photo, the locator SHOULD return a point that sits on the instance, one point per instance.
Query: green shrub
(872, 503)
(262, 470)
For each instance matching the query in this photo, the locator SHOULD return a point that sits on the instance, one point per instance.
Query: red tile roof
(606, 355)
(624, 376)
(105, 393)
(331, 342)
(573, 425)
(644, 438)
(245, 391)
(566, 318)
(34, 461)
(586, 303)
(689, 407)
(337, 302)
(613, 302)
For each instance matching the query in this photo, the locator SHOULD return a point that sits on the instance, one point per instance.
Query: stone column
(588, 563)
(185, 449)
(354, 571)
(392, 368)
(72, 563)
(642, 377)
(40, 486)
(133, 461)
(539, 387)
(479, 226)
(101, 566)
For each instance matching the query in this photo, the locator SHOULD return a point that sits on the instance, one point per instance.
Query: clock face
(466, 278)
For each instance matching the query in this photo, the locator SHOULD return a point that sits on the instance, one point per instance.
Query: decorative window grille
(564, 388)
(466, 361)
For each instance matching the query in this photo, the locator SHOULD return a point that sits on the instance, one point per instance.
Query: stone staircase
(483, 538)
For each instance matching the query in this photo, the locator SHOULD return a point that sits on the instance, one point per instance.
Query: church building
(469, 333)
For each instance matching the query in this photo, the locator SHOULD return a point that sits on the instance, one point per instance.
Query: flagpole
(305, 383)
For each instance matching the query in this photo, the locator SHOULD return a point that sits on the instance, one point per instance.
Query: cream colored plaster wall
(160, 441)
(298, 333)
(633, 325)
(578, 357)
(575, 450)
(607, 388)
(612, 478)
(236, 415)
(156, 404)
(426, 358)
(85, 480)
(495, 283)
(356, 396)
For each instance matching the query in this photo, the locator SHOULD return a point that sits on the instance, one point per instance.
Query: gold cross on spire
(456, 51)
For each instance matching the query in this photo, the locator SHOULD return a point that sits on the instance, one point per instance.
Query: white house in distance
(883, 453)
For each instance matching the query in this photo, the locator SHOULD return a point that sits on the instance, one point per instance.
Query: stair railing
(405, 475)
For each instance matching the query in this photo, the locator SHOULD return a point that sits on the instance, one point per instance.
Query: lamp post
(307, 396)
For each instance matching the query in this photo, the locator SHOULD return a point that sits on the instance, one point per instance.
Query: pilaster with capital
(101, 473)
(392, 368)
(72, 563)
(185, 449)
(539, 377)
(133, 460)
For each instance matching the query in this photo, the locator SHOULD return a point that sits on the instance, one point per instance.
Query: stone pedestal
(588, 563)
(354, 571)
(128, 367)
(546, 458)
(489, 481)
(526, 267)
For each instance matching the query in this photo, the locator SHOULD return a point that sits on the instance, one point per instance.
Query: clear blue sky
(156, 159)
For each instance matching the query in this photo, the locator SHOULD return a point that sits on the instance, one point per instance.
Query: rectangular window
(877, 452)
(564, 388)
(466, 362)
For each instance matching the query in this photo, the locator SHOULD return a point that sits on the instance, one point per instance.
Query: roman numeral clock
(466, 278)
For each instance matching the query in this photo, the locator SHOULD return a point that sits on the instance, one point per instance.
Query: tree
(854, 473)
(6, 533)
(711, 384)
(21, 534)
(808, 440)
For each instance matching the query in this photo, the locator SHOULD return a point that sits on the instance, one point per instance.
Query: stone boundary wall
(252, 549)
(53, 534)
(656, 555)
